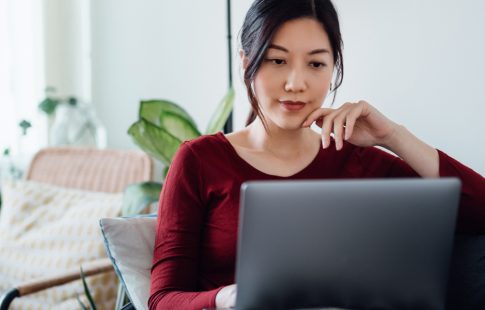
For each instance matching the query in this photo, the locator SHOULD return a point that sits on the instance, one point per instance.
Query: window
(21, 77)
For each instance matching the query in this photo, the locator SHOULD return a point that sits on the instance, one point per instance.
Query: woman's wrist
(423, 158)
(395, 139)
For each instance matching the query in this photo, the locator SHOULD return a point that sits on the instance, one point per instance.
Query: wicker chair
(87, 169)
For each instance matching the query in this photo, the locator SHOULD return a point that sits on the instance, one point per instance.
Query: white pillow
(45, 230)
(129, 242)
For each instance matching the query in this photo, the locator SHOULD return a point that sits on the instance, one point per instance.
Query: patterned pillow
(44, 230)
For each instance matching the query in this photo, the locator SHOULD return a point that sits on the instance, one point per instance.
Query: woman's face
(295, 76)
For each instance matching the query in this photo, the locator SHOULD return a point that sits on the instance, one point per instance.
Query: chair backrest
(90, 169)
(108, 172)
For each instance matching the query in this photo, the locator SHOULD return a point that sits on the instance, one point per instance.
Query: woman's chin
(290, 126)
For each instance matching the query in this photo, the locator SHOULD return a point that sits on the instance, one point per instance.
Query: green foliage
(221, 114)
(138, 196)
(86, 292)
(83, 306)
(152, 111)
(163, 125)
(50, 103)
(155, 141)
(25, 125)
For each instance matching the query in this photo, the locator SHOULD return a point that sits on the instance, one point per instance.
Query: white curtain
(21, 77)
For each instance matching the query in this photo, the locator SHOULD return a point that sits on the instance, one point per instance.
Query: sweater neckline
(303, 171)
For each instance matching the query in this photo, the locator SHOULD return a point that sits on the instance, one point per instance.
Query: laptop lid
(355, 244)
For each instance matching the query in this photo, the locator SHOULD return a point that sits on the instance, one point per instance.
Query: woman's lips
(292, 105)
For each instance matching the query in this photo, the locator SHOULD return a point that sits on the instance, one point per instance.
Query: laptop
(346, 244)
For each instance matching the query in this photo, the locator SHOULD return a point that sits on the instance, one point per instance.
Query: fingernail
(324, 143)
(338, 146)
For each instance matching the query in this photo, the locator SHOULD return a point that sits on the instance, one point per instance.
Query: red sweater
(195, 246)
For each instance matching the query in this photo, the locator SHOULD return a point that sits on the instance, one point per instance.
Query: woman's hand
(358, 123)
(226, 297)
(363, 125)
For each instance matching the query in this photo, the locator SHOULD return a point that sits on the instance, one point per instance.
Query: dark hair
(264, 18)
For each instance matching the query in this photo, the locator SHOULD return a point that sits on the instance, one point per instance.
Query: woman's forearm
(423, 158)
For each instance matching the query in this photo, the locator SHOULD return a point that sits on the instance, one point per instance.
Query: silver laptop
(351, 244)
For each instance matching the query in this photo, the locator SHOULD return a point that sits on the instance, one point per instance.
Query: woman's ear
(244, 59)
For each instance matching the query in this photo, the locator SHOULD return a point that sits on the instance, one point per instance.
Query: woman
(292, 56)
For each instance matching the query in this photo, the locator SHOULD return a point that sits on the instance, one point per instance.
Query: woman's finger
(339, 124)
(327, 127)
(349, 126)
(338, 129)
(315, 115)
(352, 117)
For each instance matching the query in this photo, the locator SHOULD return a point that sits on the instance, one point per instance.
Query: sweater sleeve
(471, 212)
(177, 243)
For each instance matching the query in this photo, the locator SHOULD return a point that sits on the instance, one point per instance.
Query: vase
(77, 125)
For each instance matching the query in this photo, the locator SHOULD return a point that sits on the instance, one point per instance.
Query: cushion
(45, 229)
(129, 243)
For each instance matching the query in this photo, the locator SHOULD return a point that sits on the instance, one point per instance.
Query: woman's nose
(295, 82)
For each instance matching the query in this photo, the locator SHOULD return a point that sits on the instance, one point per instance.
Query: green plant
(161, 127)
(137, 197)
(87, 293)
(24, 126)
(49, 104)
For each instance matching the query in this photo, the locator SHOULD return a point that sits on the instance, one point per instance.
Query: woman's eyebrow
(317, 51)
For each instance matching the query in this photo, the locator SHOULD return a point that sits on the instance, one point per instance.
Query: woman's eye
(317, 65)
(276, 61)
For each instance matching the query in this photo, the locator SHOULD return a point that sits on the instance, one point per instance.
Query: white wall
(419, 62)
(67, 47)
(156, 49)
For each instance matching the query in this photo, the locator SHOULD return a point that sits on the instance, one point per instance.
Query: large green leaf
(152, 109)
(155, 141)
(221, 113)
(178, 126)
(138, 196)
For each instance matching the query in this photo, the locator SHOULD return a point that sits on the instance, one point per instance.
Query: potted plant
(161, 127)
